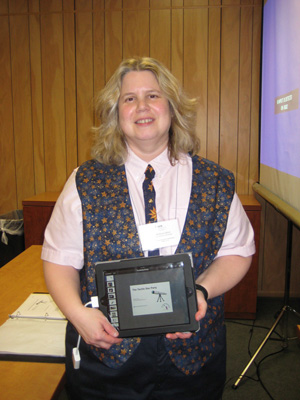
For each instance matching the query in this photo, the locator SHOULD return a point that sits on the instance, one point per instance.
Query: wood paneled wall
(56, 54)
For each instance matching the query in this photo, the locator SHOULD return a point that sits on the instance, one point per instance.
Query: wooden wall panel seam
(36, 93)
(21, 95)
(8, 177)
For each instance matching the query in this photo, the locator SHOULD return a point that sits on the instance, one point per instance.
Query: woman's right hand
(95, 329)
(64, 286)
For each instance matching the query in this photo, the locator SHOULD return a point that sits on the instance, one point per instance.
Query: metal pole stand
(286, 306)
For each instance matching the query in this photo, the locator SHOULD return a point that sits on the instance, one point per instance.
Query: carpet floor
(275, 372)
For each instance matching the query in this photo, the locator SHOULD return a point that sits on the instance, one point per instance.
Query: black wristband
(203, 290)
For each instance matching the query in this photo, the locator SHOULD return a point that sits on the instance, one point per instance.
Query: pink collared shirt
(63, 242)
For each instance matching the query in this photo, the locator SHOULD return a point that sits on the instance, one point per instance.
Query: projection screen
(280, 115)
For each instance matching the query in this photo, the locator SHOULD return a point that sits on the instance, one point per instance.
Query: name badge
(159, 234)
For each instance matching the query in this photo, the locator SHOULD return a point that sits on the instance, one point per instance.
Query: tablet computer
(151, 295)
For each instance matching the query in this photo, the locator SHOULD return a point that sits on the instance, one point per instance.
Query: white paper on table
(33, 337)
(37, 327)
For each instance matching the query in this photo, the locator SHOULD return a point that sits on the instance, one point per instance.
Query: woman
(145, 119)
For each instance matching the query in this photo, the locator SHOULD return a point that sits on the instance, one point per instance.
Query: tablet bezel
(170, 322)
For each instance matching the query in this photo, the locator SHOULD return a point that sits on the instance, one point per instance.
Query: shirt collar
(137, 166)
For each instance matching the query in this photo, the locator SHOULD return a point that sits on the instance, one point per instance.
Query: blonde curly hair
(110, 145)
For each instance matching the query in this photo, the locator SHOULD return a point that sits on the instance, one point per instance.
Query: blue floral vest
(110, 233)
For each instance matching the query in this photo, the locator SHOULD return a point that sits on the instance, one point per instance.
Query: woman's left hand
(202, 307)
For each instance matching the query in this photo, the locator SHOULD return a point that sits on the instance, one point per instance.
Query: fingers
(109, 329)
(202, 306)
(109, 336)
(96, 330)
(102, 339)
(179, 335)
(105, 341)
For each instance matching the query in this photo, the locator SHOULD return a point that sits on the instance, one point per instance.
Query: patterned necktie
(149, 198)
